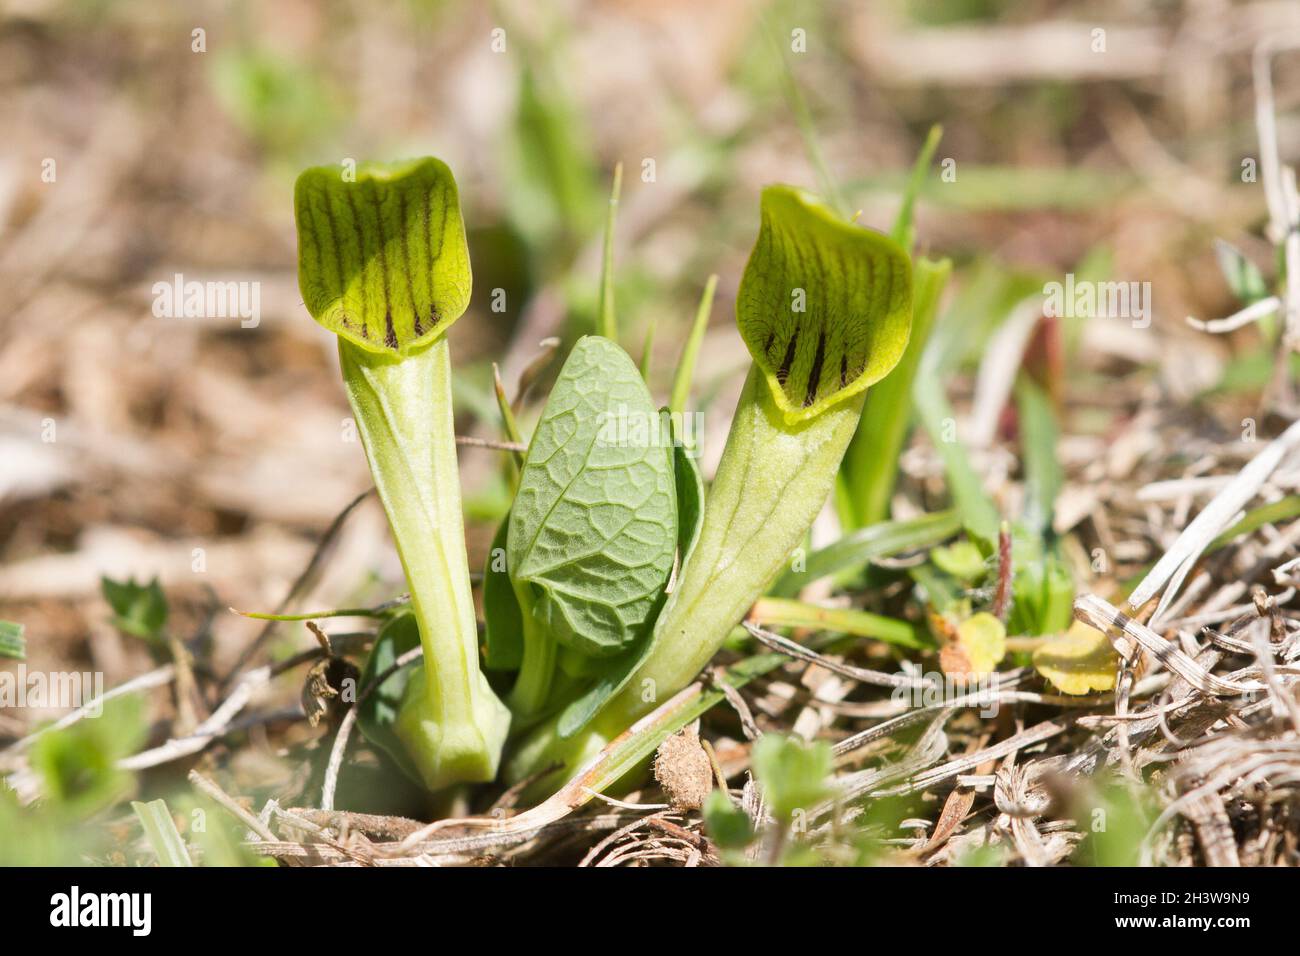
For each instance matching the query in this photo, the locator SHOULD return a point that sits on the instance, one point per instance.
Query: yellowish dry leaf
(980, 643)
(1080, 661)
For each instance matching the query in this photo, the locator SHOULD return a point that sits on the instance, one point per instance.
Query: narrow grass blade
(1038, 436)
(807, 129)
(870, 467)
(903, 232)
(12, 643)
(508, 424)
(160, 830)
(644, 737)
(881, 540)
(313, 615)
(607, 323)
(681, 391)
(976, 508)
(1284, 509)
(783, 612)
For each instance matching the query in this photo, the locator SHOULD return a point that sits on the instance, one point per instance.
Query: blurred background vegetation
(212, 456)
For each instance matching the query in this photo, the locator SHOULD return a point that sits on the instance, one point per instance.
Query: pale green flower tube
(451, 723)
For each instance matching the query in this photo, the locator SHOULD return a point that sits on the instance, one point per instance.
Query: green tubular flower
(383, 263)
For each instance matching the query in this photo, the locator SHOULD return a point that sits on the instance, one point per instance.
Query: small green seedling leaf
(981, 642)
(12, 643)
(1115, 819)
(382, 256)
(1243, 276)
(727, 824)
(594, 524)
(1080, 661)
(824, 306)
(946, 600)
(988, 855)
(961, 559)
(138, 609)
(1042, 593)
(160, 830)
(794, 775)
(78, 764)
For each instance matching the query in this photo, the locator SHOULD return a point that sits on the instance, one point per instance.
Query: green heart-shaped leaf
(594, 524)
(616, 673)
(382, 259)
(824, 306)
(794, 774)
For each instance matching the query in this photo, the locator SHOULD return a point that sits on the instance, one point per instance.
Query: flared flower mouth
(382, 257)
(825, 306)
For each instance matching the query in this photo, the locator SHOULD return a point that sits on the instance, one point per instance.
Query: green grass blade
(1284, 509)
(903, 232)
(1038, 436)
(976, 508)
(552, 189)
(682, 378)
(783, 612)
(12, 643)
(508, 424)
(881, 540)
(607, 322)
(333, 612)
(626, 752)
(870, 467)
(1007, 188)
(807, 129)
(160, 830)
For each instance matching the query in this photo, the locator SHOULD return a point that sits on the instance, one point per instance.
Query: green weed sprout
(383, 264)
(824, 307)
